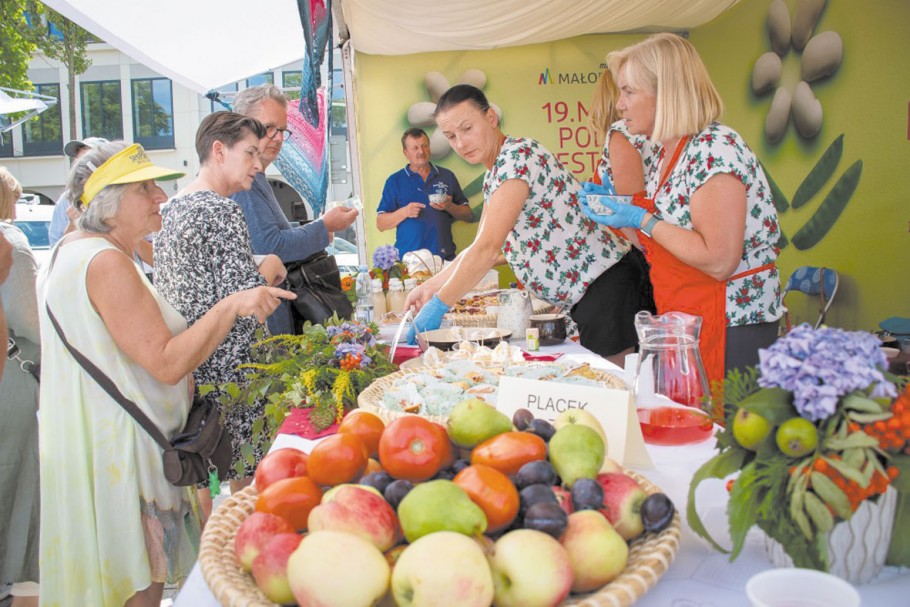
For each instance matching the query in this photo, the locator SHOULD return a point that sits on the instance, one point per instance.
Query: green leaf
(868, 418)
(850, 472)
(774, 404)
(855, 439)
(743, 507)
(862, 403)
(798, 513)
(819, 513)
(719, 466)
(832, 495)
(820, 173)
(830, 209)
(855, 458)
(232, 390)
(777, 195)
(204, 389)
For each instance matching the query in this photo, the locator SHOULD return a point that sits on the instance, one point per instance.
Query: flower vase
(856, 548)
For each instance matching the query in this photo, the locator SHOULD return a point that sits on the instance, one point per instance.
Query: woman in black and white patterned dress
(203, 253)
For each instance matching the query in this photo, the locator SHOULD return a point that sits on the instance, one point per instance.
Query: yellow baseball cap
(129, 165)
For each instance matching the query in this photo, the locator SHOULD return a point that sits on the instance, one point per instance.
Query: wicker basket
(649, 558)
(371, 398)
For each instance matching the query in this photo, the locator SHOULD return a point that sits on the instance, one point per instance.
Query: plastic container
(363, 286)
(379, 304)
(396, 296)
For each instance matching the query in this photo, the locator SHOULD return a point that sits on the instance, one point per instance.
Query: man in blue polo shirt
(421, 201)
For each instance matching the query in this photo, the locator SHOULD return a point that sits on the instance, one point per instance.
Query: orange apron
(679, 286)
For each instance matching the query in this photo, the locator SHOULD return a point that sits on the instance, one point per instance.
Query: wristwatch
(649, 225)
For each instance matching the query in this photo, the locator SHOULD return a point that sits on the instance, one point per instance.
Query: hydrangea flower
(385, 256)
(820, 366)
(354, 349)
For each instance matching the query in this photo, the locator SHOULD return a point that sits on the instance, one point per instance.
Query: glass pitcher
(670, 385)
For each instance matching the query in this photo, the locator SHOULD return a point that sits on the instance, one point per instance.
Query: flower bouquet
(387, 264)
(324, 368)
(814, 434)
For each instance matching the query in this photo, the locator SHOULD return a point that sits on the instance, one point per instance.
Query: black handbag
(201, 449)
(317, 283)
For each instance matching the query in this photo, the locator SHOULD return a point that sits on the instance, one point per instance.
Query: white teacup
(794, 587)
(437, 198)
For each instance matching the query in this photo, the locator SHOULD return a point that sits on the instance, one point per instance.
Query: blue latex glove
(623, 215)
(428, 319)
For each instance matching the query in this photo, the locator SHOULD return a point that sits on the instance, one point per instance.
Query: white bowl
(890, 352)
(794, 587)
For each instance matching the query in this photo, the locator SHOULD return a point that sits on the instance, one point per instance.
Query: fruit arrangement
(485, 510)
(816, 429)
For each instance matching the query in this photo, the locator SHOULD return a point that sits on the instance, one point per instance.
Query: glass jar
(670, 385)
(396, 296)
(379, 303)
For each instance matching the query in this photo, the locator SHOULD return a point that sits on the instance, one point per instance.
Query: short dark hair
(226, 127)
(459, 93)
(414, 133)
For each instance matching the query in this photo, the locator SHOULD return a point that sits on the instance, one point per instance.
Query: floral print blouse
(719, 149)
(554, 250)
(645, 147)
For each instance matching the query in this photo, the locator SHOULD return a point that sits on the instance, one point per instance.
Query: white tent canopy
(206, 44)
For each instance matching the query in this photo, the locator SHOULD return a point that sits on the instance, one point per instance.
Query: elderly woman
(18, 404)
(113, 530)
(203, 253)
(532, 220)
(707, 223)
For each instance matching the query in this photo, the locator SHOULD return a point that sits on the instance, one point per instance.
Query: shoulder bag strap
(105, 382)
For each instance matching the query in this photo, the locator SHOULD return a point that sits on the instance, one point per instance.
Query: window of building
(291, 82)
(6, 144)
(266, 78)
(153, 113)
(102, 114)
(43, 134)
(338, 112)
(228, 88)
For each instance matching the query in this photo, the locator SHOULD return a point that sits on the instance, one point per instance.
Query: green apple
(750, 429)
(439, 505)
(443, 569)
(576, 451)
(530, 568)
(796, 437)
(473, 421)
(337, 568)
(597, 552)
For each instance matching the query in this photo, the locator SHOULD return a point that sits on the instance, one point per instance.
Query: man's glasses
(272, 131)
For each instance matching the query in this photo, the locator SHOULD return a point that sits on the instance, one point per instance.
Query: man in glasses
(270, 230)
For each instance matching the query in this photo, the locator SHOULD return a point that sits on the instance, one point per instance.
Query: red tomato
(493, 492)
(284, 463)
(509, 451)
(336, 459)
(367, 426)
(291, 499)
(444, 437)
(413, 448)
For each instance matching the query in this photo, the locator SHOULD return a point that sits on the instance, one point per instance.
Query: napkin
(298, 423)
(541, 357)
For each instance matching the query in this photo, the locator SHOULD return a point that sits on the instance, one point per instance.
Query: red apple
(564, 498)
(270, 568)
(597, 553)
(622, 503)
(254, 533)
(358, 510)
(284, 463)
(530, 569)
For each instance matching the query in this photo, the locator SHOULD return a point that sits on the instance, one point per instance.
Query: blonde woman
(707, 223)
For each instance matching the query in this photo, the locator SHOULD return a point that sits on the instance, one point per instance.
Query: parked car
(345, 255)
(34, 220)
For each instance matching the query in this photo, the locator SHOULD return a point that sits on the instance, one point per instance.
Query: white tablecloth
(699, 576)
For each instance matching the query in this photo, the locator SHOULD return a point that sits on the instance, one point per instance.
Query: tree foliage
(17, 43)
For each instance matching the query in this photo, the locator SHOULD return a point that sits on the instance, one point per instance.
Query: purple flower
(385, 256)
(342, 350)
(820, 366)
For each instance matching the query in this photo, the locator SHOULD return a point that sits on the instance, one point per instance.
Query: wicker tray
(371, 398)
(649, 558)
(490, 320)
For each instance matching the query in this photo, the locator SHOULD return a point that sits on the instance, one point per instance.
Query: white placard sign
(612, 408)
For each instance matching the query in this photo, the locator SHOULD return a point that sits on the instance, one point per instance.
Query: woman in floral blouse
(707, 222)
(532, 221)
(203, 254)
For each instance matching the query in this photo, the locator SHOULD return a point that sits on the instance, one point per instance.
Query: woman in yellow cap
(113, 529)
